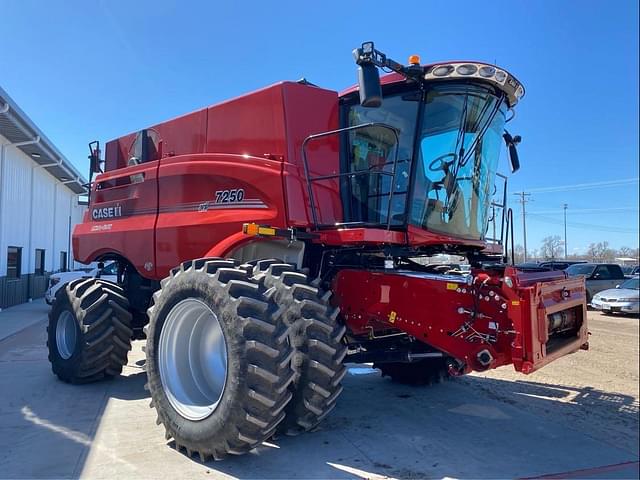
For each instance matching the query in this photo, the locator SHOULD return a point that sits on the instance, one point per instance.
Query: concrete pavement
(19, 317)
(49, 429)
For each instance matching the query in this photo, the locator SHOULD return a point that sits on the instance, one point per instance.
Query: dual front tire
(225, 364)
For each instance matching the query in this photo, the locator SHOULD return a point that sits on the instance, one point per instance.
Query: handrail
(309, 179)
(509, 229)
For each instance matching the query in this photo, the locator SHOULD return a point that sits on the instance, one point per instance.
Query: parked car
(598, 276)
(630, 270)
(625, 298)
(548, 265)
(560, 264)
(108, 272)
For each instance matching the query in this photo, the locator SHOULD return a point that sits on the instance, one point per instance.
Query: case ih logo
(106, 212)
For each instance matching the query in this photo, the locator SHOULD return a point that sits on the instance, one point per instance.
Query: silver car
(625, 298)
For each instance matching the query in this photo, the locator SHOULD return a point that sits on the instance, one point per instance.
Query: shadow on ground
(47, 426)
(456, 429)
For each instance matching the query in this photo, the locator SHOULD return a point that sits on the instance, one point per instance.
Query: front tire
(218, 360)
(317, 338)
(89, 331)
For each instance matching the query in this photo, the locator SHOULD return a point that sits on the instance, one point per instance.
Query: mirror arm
(367, 54)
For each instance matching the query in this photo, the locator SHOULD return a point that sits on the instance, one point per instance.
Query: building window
(14, 262)
(63, 261)
(39, 269)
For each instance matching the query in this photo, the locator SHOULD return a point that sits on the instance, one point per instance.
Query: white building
(39, 206)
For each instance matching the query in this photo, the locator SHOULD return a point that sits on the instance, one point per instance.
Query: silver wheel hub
(66, 334)
(192, 359)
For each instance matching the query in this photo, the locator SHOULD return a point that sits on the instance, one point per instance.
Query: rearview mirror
(511, 143)
(94, 157)
(369, 85)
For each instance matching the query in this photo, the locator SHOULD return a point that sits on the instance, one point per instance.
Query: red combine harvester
(265, 241)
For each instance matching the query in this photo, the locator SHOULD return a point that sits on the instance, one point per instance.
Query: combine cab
(264, 242)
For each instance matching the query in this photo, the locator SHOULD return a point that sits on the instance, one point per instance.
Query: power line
(586, 226)
(583, 211)
(586, 186)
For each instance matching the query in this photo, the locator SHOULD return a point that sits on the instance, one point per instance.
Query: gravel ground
(596, 392)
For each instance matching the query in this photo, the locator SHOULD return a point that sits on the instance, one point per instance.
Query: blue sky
(85, 70)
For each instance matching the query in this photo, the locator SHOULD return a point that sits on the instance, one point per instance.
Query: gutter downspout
(3, 149)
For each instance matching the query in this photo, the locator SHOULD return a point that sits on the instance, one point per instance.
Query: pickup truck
(108, 272)
(598, 276)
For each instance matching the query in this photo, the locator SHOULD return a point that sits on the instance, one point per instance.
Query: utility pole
(523, 200)
(564, 207)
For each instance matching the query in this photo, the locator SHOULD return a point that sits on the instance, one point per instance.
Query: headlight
(443, 71)
(501, 76)
(487, 71)
(596, 297)
(53, 281)
(467, 69)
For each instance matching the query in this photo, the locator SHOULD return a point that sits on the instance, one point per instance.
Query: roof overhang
(18, 128)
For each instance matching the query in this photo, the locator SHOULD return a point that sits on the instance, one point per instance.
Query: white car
(625, 298)
(108, 272)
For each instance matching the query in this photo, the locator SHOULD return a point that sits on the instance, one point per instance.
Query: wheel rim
(66, 334)
(192, 358)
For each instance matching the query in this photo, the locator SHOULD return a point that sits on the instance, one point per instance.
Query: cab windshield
(444, 179)
(458, 151)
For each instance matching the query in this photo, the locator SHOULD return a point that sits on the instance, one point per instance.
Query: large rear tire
(89, 332)
(422, 372)
(218, 359)
(317, 338)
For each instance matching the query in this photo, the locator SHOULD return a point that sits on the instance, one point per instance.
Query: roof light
(35, 155)
(467, 69)
(414, 60)
(487, 72)
(480, 71)
(442, 71)
(501, 76)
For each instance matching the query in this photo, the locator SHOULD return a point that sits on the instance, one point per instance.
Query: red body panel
(129, 231)
(252, 143)
(426, 306)
(190, 221)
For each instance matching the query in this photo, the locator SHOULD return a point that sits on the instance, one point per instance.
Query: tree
(600, 251)
(518, 253)
(627, 252)
(551, 247)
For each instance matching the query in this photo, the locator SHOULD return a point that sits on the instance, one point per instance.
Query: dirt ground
(579, 414)
(596, 392)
